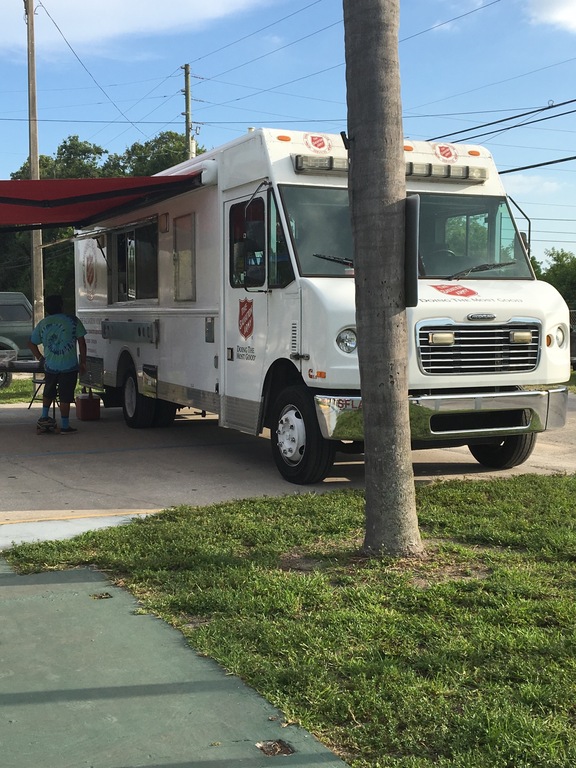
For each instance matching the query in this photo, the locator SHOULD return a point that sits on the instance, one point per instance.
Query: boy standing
(59, 334)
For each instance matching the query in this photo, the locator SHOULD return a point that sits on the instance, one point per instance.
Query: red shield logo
(317, 143)
(455, 290)
(89, 267)
(90, 271)
(246, 318)
(446, 152)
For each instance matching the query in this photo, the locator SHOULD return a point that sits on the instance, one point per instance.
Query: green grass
(465, 658)
(20, 391)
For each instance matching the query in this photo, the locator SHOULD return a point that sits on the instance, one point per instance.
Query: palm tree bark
(377, 197)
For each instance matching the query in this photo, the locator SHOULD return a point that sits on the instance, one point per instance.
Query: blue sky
(111, 72)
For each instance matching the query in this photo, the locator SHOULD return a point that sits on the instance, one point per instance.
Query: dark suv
(15, 328)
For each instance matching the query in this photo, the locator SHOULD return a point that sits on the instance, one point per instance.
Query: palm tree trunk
(377, 197)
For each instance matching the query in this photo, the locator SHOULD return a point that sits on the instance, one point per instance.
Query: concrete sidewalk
(86, 681)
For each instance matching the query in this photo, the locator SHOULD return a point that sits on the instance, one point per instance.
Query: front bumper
(454, 417)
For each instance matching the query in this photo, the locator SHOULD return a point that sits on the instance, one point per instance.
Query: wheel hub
(291, 435)
(130, 394)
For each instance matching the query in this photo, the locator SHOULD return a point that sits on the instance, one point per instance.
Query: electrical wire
(41, 5)
(538, 165)
(256, 32)
(504, 120)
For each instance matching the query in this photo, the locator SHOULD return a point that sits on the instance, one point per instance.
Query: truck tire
(138, 410)
(300, 452)
(5, 379)
(509, 452)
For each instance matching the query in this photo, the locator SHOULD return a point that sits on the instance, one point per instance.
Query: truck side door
(261, 315)
(245, 311)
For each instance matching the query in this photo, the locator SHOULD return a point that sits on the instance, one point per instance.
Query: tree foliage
(77, 159)
(536, 266)
(161, 152)
(561, 273)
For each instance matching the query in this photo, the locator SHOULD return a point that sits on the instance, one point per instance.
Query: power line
(504, 120)
(546, 240)
(327, 69)
(256, 32)
(539, 165)
(520, 125)
(497, 82)
(146, 95)
(443, 23)
(41, 5)
(276, 50)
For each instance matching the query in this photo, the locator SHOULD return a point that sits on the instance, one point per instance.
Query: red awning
(31, 204)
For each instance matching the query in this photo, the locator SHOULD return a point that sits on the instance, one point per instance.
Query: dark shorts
(60, 386)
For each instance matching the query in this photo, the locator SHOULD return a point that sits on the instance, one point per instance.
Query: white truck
(237, 298)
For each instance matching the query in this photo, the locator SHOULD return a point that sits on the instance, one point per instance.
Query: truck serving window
(470, 236)
(136, 253)
(320, 229)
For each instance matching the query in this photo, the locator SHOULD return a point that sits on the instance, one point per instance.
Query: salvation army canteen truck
(236, 297)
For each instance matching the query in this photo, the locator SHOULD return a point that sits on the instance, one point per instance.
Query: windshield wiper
(481, 268)
(337, 259)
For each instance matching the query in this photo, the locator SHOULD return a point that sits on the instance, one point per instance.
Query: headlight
(346, 340)
(558, 337)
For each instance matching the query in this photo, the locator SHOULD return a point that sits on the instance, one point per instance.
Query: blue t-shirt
(58, 334)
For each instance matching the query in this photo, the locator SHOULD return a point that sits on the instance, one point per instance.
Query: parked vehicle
(237, 297)
(15, 330)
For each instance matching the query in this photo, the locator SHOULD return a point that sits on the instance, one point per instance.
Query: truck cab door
(261, 312)
(245, 311)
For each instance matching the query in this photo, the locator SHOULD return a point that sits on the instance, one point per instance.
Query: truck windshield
(469, 236)
(319, 219)
(461, 236)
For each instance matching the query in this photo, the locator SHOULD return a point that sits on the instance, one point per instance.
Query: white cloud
(96, 23)
(557, 13)
(526, 184)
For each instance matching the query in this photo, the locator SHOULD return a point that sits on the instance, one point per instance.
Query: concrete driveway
(109, 469)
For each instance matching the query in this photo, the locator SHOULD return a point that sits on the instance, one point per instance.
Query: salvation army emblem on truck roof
(246, 318)
(318, 143)
(446, 152)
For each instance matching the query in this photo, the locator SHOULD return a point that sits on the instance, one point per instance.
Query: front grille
(479, 349)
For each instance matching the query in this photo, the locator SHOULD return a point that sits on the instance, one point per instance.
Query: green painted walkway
(85, 682)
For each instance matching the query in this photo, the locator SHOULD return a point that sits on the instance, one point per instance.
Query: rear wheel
(138, 410)
(300, 452)
(5, 379)
(509, 452)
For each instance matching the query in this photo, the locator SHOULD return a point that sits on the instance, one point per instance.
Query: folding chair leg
(35, 395)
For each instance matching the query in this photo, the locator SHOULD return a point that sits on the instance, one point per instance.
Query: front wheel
(300, 452)
(509, 452)
(5, 379)
(138, 410)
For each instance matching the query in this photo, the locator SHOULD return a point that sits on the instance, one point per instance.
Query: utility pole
(37, 267)
(190, 141)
